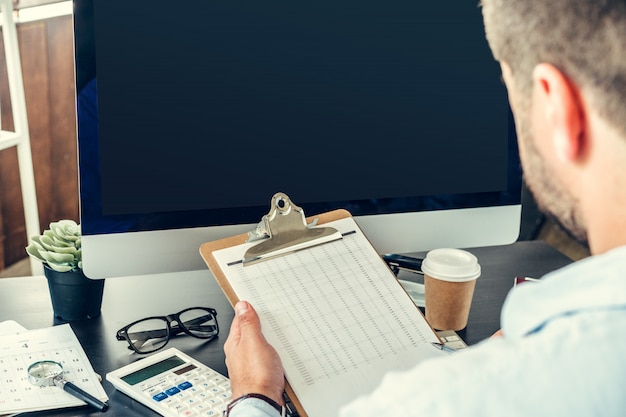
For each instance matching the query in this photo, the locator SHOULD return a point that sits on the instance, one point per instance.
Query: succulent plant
(58, 247)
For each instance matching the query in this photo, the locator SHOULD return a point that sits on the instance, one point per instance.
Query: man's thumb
(247, 317)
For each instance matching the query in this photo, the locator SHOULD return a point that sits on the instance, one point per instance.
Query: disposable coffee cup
(449, 280)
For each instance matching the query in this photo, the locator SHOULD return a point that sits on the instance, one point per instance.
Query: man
(563, 345)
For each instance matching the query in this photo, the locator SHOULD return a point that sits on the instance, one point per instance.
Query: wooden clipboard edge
(207, 249)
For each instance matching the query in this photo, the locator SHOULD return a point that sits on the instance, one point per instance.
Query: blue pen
(443, 347)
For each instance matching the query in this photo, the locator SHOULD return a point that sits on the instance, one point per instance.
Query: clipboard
(208, 252)
(207, 249)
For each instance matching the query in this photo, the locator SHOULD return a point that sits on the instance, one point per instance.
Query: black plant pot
(73, 295)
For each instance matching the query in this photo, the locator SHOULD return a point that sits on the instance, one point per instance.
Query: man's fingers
(253, 365)
(245, 317)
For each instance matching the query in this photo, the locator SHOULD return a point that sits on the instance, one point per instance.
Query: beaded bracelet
(280, 408)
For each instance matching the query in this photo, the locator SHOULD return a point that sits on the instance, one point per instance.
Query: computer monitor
(192, 115)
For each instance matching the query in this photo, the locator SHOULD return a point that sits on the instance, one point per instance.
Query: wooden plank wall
(46, 49)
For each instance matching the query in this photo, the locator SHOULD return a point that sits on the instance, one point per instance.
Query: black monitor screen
(197, 112)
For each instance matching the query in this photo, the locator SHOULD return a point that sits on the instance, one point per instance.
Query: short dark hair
(584, 39)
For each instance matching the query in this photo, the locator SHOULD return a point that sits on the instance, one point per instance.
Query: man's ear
(558, 100)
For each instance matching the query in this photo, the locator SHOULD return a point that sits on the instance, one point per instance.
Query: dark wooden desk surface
(26, 300)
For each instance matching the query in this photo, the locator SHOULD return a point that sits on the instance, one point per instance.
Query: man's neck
(602, 192)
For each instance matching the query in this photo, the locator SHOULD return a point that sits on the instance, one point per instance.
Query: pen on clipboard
(443, 347)
(408, 263)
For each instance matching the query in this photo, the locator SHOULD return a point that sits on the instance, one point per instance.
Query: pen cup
(449, 280)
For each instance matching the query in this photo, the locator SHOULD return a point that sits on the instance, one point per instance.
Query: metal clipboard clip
(284, 230)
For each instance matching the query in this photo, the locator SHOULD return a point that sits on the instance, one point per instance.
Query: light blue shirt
(563, 354)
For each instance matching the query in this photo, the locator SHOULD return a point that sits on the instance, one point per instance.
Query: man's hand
(253, 364)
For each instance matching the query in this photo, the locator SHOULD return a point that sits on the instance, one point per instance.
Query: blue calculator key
(172, 391)
(184, 385)
(160, 396)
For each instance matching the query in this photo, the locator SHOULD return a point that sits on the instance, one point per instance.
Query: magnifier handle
(81, 394)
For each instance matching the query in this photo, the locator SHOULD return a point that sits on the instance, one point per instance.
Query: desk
(27, 301)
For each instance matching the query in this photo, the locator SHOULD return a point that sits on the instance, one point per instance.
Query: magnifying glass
(50, 373)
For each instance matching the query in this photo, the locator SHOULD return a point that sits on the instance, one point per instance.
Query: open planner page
(58, 343)
(336, 315)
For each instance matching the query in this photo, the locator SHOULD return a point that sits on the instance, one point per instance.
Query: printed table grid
(352, 322)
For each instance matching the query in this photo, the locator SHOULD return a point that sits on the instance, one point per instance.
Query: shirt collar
(597, 282)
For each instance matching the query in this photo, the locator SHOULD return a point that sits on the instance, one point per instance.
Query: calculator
(174, 384)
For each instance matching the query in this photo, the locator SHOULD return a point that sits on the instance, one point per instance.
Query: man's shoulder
(542, 374)
(587, 286)
(573, 364)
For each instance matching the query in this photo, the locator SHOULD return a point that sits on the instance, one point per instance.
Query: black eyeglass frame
(172, 330)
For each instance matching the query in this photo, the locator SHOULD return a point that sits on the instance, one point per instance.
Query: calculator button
(208, 372)
(191, 401)
(179, 408)
(170, 402)
(175, 380)
(202, 396)
(195, 391)
(152, 391)
(172, 391)
(206, 385)
(162, 386)
(184, 385)
(144, 386)
(196, 379)
(183, 395)
(200, 407)
(160, 396)
(217, 379)
(209, 376)
(214, 402)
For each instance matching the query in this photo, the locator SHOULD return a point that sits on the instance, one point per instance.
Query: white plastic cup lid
(454, 265)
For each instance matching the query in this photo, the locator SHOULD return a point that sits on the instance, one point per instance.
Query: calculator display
(152, 370)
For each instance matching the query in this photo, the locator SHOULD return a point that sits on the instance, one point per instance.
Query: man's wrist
(278, 407)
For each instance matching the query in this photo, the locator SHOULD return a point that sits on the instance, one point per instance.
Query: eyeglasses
(152, 333)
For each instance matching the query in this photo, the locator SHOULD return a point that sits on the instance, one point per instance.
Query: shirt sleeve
(446, 386)
(253, 407)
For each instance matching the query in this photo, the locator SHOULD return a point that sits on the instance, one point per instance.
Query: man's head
(581, 46)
